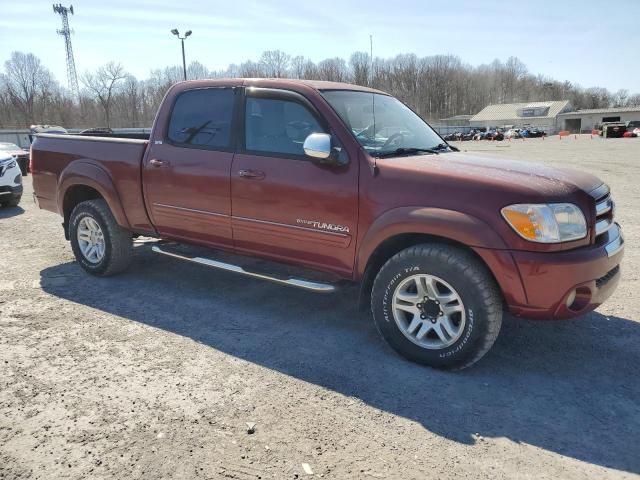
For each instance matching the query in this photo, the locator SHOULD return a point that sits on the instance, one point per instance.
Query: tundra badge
(324, 226)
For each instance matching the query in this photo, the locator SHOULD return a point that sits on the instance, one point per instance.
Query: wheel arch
(408, 226)
(82, 181)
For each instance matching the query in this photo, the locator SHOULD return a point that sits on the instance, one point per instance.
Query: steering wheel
(396, 137)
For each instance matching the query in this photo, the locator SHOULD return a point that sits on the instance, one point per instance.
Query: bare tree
(297, 67)
(621, 98)
(275, 63)
(197, 71)
(634, 100)
(26, 81)
(436, 87)
(360, 64)
(251, 69)
(333, 69)
(104, 84)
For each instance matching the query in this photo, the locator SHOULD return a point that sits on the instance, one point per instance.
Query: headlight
(8, 164)
(546, 223)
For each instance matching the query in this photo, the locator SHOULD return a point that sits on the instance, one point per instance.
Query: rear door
(283, 205)
(186, 171)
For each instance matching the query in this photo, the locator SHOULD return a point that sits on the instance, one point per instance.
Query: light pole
(184, 63)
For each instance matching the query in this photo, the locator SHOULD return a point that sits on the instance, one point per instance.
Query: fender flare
(86, 173)
(449, 224)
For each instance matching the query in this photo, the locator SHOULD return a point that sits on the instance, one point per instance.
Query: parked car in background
(494, 135)
(613, 129)
(20, 154)
(513, 133)
(633, 125)
(10, 181)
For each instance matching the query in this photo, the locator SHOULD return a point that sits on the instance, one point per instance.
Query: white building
(586, 120)
(542, 115)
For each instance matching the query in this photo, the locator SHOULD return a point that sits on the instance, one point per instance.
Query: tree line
(436, 87)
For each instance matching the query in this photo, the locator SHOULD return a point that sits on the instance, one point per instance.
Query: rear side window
(278, 126)
(202, 118)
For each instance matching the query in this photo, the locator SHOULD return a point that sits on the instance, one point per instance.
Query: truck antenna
(374, 166)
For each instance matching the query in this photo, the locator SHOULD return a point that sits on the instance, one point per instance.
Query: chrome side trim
(603, 225)
(617, 245)
(88, 138)
(292, 282)
(315, 230)
(204, 212)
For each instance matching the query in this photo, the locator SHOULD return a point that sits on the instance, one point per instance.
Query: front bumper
(7, 192)
(564, 285)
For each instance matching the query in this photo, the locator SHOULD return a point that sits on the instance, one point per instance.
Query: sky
(584, 42)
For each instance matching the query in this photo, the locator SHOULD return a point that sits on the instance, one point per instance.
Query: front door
(186, 175)
(283, 205)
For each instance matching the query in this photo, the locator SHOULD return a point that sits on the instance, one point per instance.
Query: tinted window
(278, 126)
(202, 117)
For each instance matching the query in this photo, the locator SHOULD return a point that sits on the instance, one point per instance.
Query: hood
(14, 152)
(508, 174)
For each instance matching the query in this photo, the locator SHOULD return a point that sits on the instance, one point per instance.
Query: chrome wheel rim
(91, 240)
(428, 311)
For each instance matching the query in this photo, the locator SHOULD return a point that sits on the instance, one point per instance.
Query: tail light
(31, 158)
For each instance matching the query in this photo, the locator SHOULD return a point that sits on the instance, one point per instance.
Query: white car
(10, 181)
(513, 133)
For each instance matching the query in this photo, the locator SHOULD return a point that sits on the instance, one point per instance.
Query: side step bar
(292, 282)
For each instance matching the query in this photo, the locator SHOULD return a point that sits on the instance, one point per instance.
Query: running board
(228, 267)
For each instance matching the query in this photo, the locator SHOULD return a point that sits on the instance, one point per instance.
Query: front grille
(605, 208)
(602, 281)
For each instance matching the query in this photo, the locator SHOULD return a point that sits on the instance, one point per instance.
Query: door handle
(157, 163)
(251, 174)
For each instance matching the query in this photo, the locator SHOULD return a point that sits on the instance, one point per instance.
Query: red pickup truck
(346, 181)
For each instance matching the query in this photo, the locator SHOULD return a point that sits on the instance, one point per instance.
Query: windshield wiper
(442, 146)
(405, 151)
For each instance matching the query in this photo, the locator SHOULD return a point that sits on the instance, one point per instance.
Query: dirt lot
(153, 374)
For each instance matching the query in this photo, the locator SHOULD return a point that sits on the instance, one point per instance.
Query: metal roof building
(586, 120)
(542, 115)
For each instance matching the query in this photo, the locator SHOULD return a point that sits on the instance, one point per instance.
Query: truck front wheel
(437, 305)
(100, 245)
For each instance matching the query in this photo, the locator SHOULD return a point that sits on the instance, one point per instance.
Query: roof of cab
(285, 82)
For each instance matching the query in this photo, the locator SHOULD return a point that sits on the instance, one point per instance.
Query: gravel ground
(154, 373)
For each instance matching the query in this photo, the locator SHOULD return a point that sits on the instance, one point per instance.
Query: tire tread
(120, 238)
(470, 266)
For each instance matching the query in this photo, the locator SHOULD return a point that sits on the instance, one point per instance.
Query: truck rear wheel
(100, 245)
(437, 305)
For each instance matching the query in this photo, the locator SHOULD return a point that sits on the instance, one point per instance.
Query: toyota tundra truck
(339, 183)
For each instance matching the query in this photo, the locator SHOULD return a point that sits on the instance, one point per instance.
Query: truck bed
(58, 159)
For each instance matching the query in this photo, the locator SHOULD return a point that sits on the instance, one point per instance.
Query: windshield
(382, 124)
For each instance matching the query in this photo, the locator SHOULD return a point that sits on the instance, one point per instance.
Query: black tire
(14, 202)
(24, 166)
(473, 283)
(118, 244)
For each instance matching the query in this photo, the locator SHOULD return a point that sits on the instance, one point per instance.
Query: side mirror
(319, 147)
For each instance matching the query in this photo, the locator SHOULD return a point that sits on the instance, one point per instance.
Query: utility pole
(184, 62)
(371, 59)
(72, 76)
